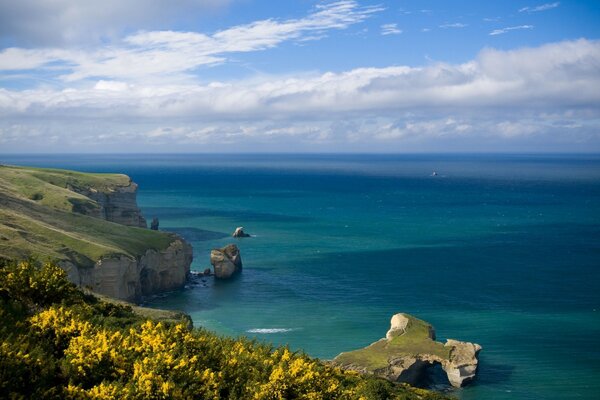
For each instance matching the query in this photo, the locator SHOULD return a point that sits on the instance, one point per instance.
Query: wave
(270, 330)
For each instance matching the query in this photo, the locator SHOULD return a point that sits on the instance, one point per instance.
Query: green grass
(37, 218)
(414, 341)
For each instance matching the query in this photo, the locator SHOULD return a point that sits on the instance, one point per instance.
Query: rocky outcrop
(226, 261)
(128, 278)
(116, 204)
(239, 232)
(154, 224)
(461, 368)
(408, 350)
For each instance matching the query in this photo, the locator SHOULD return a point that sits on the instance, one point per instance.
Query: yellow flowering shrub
(65, 345)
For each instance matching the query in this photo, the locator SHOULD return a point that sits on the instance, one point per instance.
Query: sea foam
(270, 330)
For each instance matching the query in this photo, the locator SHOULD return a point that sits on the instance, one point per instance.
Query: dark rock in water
(207, 271)
(239, 232)
(154, 224)
(226, 261)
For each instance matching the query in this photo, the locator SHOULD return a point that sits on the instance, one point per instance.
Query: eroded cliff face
(117, 204)
(128, 278)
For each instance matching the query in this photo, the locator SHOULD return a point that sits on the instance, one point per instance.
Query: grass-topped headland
(58, 342)
(42, 213)
(91, 225)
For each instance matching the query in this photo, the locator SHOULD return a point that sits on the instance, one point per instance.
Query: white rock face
(128, 278)
(462, 366)
(398, 326)
(118, 205)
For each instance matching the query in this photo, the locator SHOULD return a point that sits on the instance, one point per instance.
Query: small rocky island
(226, 261)
(239, 233)
(408, 350)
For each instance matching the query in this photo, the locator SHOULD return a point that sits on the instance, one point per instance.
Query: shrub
(59, 343)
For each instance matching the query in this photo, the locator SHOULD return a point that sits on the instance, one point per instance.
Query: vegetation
(415, 339)
(57, 342)
(39, 216)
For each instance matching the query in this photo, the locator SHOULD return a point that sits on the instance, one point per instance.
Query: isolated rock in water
(154, 224)
(409, 350)
(239, 232)
(207, 271)
(226, 261)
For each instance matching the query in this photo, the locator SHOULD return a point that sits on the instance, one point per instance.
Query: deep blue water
(502, 250)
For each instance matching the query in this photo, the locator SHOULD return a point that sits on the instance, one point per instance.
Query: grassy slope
(413, 341)
(37, 218)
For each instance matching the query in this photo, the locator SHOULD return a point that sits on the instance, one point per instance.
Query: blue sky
(322, 76)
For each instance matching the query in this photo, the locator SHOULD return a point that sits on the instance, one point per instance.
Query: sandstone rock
(117, 204)
(408, 350)
(398, 325)
(154, 224)
(128, 278)
(462, 366)
(226, 261)
(239, 232)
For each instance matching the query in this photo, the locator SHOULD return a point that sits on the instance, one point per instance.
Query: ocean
(501, 250)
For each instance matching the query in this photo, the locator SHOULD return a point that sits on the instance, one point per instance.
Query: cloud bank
(144, 93)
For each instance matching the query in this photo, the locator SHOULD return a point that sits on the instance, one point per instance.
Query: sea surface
(502, 250)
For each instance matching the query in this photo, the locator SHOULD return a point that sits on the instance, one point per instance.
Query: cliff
(116, 203)
(92, 225)
(408, 350)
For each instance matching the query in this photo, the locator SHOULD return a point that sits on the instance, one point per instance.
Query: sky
(228, 76)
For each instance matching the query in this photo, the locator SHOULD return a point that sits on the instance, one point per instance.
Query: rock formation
(408, 350)
(72, 217)
(128, 278)
(154, 224)
(239, 232)
(116, 204)
(226, 261)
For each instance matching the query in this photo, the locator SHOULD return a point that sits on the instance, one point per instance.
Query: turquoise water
(502, 250)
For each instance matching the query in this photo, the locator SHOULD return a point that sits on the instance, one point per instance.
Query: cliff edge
(92, 225)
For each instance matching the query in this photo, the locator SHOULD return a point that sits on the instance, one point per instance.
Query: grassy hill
(39, 217)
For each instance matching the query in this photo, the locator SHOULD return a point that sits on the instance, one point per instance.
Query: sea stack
(226, 261)
(239, 232)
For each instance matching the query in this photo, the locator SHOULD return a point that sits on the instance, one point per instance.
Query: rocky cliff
(409, 350)
(115, 203)
(90, 224)
(129, 278)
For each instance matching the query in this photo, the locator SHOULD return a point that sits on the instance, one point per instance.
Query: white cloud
(542, 7)
(547, 92)
(551, 76)
(454, 25)
(509, 28)
(172, 54)
(390, 29)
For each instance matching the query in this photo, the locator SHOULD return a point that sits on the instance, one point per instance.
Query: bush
(59, 343)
